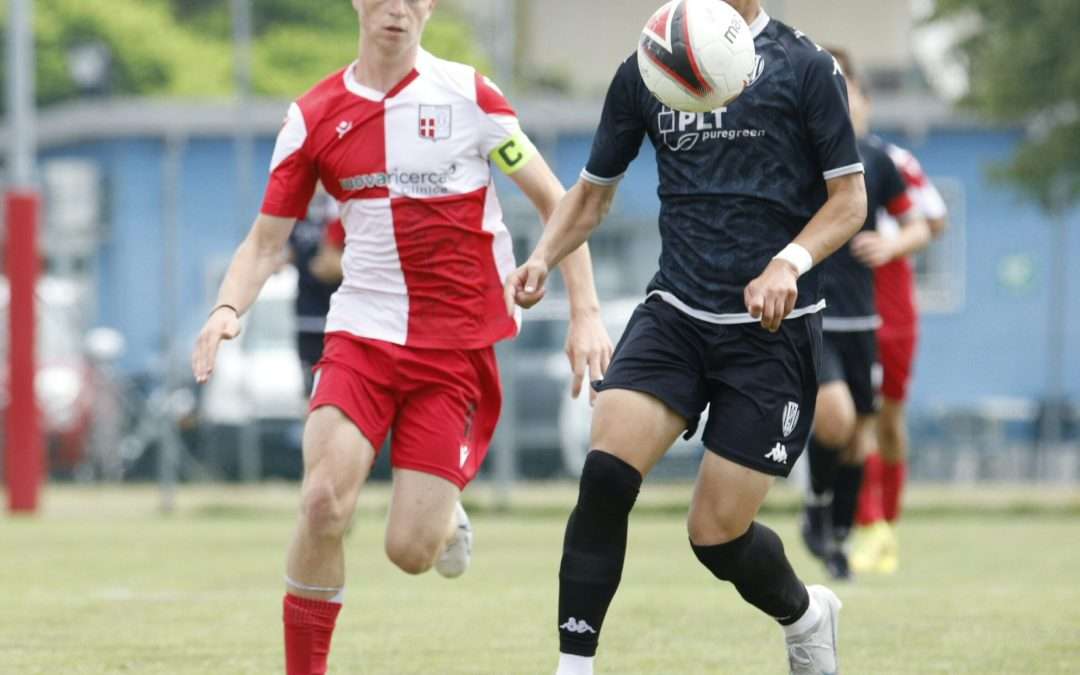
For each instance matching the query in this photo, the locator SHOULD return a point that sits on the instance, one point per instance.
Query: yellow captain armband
(514, 153)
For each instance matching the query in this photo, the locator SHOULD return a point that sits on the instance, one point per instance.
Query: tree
(151, 53)
(299, 41)
(1024, 60)
(183, 48)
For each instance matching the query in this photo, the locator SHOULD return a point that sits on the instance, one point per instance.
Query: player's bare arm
(875, 250)
(574, 219)
(587, 341)
(772, 295)
(256, 259)
(937, 226)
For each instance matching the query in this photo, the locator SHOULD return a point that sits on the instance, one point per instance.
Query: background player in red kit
(404, 142)
(876, 549)
(848, 400)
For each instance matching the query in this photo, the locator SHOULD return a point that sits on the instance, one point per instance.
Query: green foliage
(151, 53)
(184, 47)
(1025, 67)
(297, 42)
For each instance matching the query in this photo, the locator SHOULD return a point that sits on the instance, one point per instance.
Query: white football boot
(458, 552)
(814, 651)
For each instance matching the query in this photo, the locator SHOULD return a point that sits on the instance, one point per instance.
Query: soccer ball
(696, 55)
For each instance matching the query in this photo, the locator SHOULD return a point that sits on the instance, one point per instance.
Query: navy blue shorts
(851, 357)
(760, 387)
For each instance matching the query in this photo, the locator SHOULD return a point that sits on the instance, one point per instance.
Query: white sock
(571, 664)
(805, 622)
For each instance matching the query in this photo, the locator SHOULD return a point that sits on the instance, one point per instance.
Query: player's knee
(712, 526)
(412, 553)
(834, 427)
(835, 417)
(608, 484)
(325, 512)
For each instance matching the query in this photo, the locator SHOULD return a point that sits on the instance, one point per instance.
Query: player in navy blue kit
(315, 248)
(850, 376)
(752, 195)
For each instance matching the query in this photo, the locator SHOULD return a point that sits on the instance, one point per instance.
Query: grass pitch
(100, 583)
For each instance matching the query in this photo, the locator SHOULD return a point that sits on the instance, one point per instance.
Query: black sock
(823, 460)
(756, 564)
(594, 550)
(846, 498)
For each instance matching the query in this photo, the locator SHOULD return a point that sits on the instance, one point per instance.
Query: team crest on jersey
(790, 418)
(435, 122)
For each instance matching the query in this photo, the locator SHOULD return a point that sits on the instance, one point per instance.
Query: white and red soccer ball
(696, 55)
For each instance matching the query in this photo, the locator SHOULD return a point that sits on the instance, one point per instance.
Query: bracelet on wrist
(225, 305)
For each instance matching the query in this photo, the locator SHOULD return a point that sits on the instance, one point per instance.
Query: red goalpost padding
(24, 459)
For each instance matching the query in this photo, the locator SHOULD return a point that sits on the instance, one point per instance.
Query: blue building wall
(995, 344)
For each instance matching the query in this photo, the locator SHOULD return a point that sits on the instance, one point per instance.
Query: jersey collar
(364, 91)
(759, 23)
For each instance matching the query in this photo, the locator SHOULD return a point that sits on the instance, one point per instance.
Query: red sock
(309, 625)
(892, 487)
(870, 496)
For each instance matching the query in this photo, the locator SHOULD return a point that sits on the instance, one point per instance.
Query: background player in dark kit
(315, 248)
(850, 376)
(752, 195)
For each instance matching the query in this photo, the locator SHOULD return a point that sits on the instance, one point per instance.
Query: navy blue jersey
(849, 284)
(312, 295)
(739, 183)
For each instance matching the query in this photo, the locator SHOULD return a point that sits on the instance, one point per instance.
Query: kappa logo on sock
(572, 625)
(778, 454)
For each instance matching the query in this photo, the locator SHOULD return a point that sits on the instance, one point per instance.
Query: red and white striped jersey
(426, 250)
(895, 282)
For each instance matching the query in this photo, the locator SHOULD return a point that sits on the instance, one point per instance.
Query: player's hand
(772, 296)
(525, 285)
(587, 346)
(872, 249)
(222, 324)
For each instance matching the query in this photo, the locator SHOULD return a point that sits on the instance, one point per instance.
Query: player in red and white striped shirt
(890, 247)
(405, 142)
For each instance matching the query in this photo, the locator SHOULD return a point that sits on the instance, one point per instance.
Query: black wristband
(225, 305)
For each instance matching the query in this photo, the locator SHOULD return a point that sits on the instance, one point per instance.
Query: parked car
(550, 429)
(575, 415)
(256, 393)
(64, 381)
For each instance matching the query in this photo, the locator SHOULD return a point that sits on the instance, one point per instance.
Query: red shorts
(441, 404)
(897, 353)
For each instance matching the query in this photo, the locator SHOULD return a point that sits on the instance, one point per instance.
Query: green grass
(102, 584)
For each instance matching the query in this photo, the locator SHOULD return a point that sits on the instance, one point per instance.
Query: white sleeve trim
(291, 137)
(844, 171)
(850, 324)
(931, 202)
(598, 180)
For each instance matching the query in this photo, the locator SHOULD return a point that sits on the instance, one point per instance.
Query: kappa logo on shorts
(790, 418)
(572, 625)
(778, 454)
